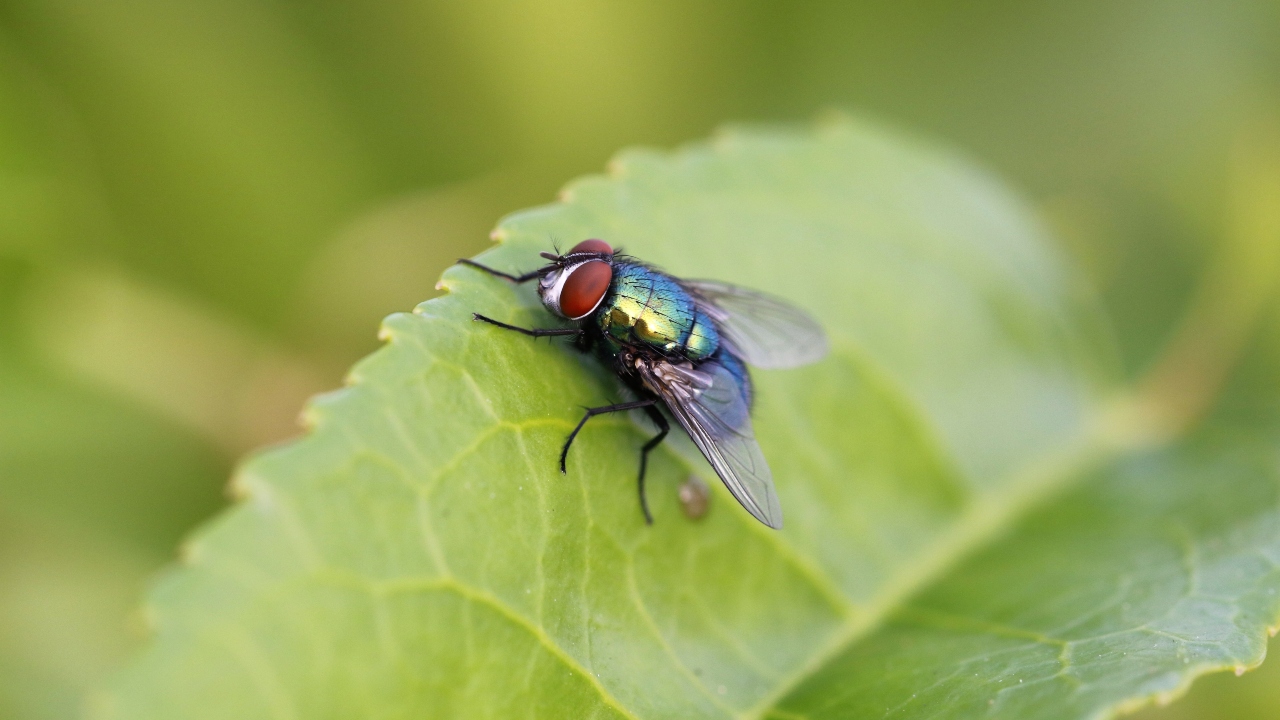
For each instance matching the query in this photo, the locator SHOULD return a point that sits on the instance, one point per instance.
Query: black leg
(663, 428)
(513, 278)
(592, 412)
(536, 332)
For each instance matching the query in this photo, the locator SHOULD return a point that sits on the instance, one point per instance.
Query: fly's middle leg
(592, 412)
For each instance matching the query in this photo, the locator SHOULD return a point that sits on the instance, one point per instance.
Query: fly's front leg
(663, 428)
(531, 332)
(517, 279)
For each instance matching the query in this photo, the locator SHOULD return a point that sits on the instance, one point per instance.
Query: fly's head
(573, 285)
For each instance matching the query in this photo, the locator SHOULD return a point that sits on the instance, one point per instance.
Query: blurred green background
(206, 206)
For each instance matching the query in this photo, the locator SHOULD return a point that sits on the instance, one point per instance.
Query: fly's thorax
(646, 307)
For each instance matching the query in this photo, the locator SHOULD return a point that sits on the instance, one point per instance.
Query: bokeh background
(206, 206)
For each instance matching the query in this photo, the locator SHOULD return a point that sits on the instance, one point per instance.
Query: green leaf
(965, 533)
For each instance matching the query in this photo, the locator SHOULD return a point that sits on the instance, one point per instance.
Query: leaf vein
(481, 597)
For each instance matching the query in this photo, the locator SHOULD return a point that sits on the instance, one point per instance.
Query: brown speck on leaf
(695, 497)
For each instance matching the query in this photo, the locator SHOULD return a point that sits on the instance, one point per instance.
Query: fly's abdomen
(645, 307)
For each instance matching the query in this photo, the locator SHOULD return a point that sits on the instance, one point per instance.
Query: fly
(679, 344)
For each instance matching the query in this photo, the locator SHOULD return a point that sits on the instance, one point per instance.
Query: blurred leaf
(64, 594)
(46, 193)
(180, 359)
(390, 258)
(93, 495)
(99, 464)
(966, 533)
(93, 492)
(219, 147)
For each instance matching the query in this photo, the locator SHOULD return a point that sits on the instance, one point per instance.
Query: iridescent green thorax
(645, 307)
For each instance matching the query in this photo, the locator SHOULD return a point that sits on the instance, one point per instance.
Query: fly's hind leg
(663, 428)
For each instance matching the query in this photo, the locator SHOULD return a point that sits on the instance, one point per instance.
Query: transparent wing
(708, 404)
(765, 331)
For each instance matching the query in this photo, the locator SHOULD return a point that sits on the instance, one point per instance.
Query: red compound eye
(592, 246)
(585, 287)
